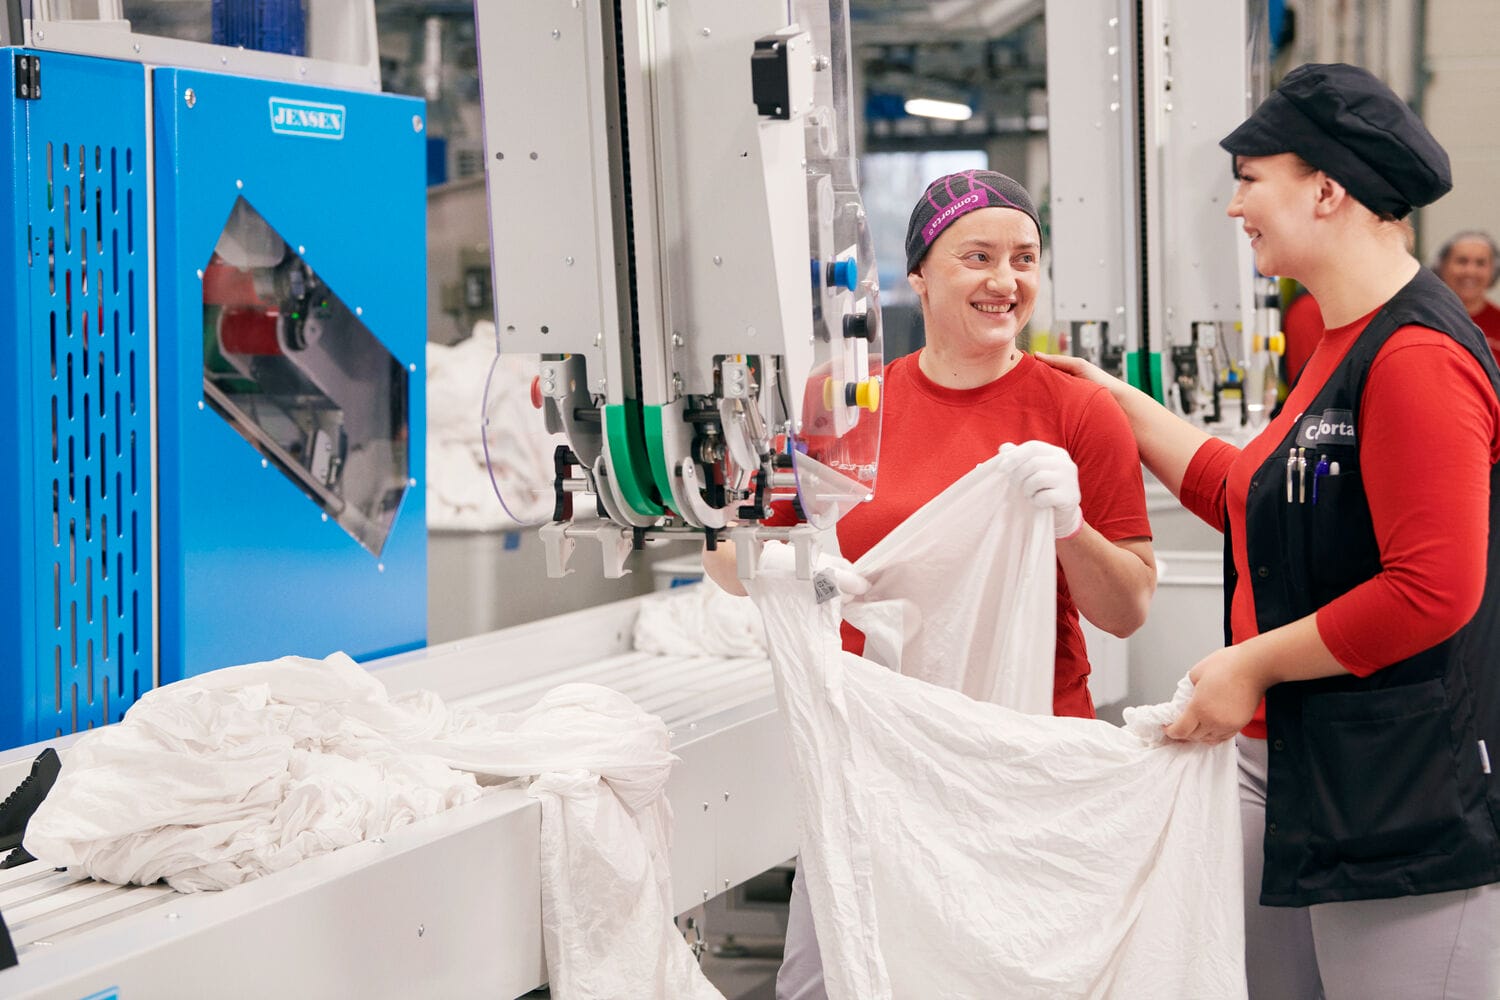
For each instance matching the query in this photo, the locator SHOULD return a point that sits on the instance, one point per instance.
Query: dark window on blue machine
(265, 25)
(294, 370)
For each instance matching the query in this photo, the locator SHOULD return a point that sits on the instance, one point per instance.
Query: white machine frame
(448, 907)
(655, 202)
(1144, 256)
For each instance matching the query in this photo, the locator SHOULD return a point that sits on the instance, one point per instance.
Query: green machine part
(630, 464)
(656, 448)
(1133, 372)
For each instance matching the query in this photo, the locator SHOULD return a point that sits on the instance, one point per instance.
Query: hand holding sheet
(1049, 479)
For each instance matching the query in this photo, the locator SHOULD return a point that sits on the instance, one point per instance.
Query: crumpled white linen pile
(459, 492)
(699, 620)
(959, 848)
(238, 773)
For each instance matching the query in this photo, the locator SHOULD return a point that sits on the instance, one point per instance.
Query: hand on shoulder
(1078, 368)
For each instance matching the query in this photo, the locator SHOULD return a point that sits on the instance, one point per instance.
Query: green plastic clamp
(656, 447)
(629, 464)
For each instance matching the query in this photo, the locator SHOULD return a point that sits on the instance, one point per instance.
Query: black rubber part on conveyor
(18, 808)
(7, 949)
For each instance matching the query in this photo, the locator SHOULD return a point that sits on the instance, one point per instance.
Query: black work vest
(1377, 786)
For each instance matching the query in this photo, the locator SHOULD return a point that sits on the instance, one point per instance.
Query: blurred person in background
(1469, 263)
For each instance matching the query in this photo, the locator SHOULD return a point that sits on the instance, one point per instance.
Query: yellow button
(867, 394)
(1278, 343)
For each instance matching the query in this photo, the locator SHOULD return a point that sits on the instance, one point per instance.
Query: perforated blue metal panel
(80, 398)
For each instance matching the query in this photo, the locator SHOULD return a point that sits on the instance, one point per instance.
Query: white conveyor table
(447, 907)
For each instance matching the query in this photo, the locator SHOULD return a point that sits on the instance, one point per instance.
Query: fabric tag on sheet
(825, 587)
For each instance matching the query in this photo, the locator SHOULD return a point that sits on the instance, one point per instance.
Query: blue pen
(1319, 473)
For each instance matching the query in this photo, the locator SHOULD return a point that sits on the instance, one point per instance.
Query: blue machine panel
(77, 427)
(258, 557)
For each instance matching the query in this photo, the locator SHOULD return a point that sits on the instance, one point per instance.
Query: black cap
(1346, 123)
(953, 196)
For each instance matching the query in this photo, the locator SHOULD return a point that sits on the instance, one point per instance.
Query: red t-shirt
(1302, 325)
(1428, 432)
(931, 436)
(1488, 321)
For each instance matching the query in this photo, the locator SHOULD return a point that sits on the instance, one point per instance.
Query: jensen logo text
(320, 121)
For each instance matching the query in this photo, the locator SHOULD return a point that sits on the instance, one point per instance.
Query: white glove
(1049, 479)
(851, 583)
(838, 574)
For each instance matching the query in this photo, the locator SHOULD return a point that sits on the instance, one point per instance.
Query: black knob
(865, 325)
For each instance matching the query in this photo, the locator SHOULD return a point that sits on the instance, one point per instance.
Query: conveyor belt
(680, 690)
(48, 910)
(43, 906)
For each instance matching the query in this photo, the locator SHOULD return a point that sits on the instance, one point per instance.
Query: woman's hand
(1080, 368)
(722, 567)
(1227, 688)
(1167, 442)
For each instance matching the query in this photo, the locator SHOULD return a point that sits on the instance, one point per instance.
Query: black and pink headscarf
(954, 196)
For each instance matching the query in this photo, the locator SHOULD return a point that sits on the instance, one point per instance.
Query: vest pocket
(1341, 548)
(1382, 781)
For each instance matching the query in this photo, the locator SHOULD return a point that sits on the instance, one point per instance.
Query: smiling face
(1275, 200)
(1467, 270)
(978, 283)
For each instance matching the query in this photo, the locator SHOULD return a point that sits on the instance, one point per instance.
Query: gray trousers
(801, 974)
(1442, 946)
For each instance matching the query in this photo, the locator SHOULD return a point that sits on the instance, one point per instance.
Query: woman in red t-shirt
(973, 258)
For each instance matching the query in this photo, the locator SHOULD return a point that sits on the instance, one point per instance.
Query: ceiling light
(926, 107)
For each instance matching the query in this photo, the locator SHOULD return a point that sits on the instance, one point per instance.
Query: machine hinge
(28, 77)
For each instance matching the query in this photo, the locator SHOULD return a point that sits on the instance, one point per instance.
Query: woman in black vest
(1362, 572)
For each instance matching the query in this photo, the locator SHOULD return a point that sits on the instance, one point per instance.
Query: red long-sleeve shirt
(1428, 432)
